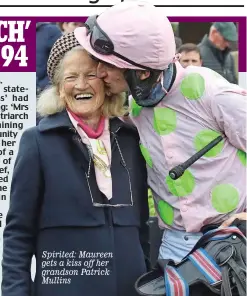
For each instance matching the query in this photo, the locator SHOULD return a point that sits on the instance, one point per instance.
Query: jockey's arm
(229, 110)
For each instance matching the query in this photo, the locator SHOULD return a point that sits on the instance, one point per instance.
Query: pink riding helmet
(138, 31)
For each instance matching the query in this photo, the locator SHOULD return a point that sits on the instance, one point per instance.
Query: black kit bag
(218, 261)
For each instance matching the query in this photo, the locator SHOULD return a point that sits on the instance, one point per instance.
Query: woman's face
(82, 91)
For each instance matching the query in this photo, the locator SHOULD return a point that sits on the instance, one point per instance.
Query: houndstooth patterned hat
(59, 49)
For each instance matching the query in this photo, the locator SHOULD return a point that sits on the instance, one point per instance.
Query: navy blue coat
(51, 211)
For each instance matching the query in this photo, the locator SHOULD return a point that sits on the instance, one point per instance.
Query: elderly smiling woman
(79, 193)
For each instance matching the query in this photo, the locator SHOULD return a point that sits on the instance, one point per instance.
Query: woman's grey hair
(49, 101)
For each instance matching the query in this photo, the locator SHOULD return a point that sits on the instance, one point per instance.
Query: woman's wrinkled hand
(228, 222)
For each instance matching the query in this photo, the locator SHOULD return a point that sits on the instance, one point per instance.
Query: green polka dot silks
(193, 86)
(165, 121)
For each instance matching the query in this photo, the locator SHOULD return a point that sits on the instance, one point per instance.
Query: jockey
(177, 112)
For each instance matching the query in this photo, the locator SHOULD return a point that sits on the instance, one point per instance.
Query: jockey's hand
(228, 222)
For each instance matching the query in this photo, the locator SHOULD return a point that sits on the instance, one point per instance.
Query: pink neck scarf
(99, 146)
(87, 129)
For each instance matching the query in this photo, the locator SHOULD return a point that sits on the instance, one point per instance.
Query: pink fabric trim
(103, 177)
(87, 129)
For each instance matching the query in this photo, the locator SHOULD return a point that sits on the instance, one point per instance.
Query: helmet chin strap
(149, 92)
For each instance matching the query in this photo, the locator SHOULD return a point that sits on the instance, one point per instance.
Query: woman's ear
(58, 90)
(108, 93)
